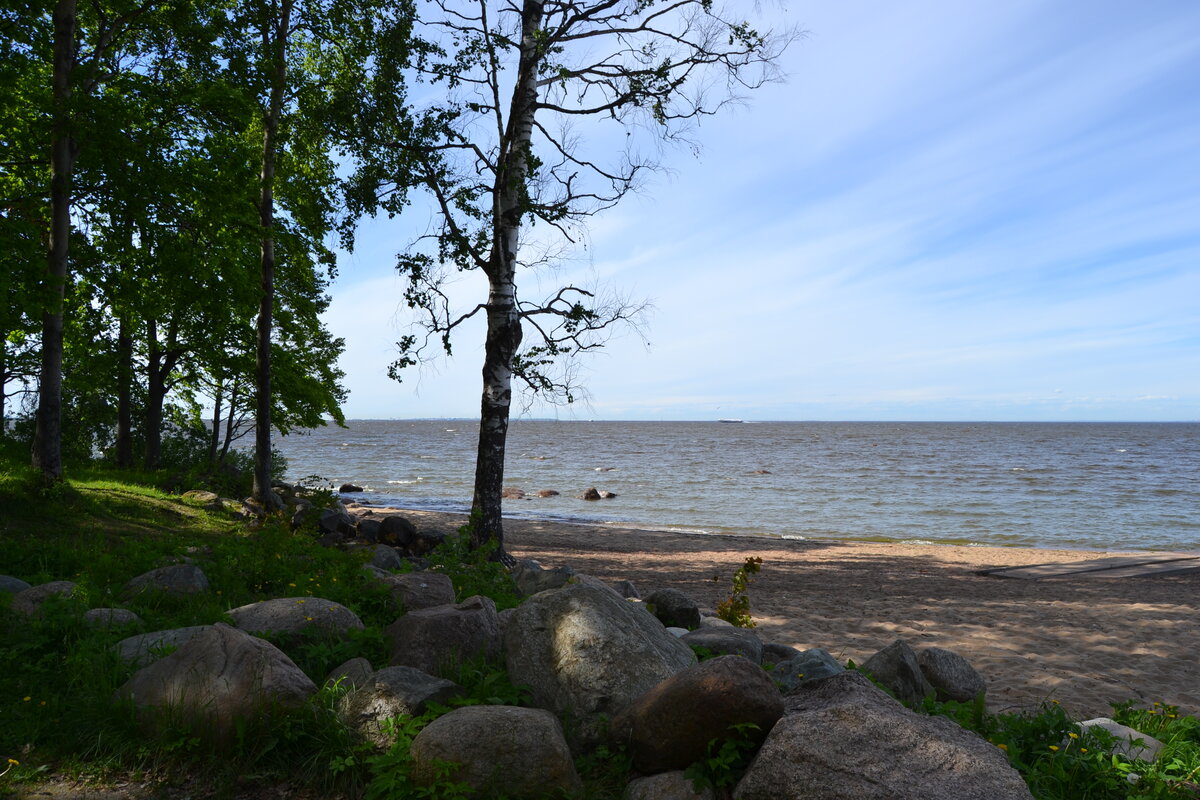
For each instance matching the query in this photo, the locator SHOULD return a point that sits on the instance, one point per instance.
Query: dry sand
(1084, 642)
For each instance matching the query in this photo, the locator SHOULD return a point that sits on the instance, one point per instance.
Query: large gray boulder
(351, 673)
(111, 617)
(12, 585)
(773, 652)
(896, 667)
(951, 675)
(531, 577)
(672, 725)
(586, 653)
(145, 648)
(219, 676)
(29, 601)
(413, 591)
(177, 580)
(727, 641)
(809, 665)
(517, 752)
(432, 639)
(674, 608)
(672, 785)
(386, 558)
(842, 738)
(391, 692)
(1130, 743)
(396, 531)
(292, 616)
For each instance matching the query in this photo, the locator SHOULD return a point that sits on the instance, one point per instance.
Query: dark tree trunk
(266, 211)
(214, 438)
(124, 395)
(162, 363)
(47, 440)
(155, 393)
(503, 316)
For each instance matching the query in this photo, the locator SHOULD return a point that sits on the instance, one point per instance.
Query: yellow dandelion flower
(1054, 747)
(1073, 735)
(1083, 749)
(1156, 704)
(14, 762)
(310, 619)
(1172, 716)
(1003, 746)
(26, 698)
(1054, 701)
(292, 585)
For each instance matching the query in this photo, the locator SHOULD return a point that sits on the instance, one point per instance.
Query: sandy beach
(1082, 642)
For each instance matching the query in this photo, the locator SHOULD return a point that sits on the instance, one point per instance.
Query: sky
(949, 211)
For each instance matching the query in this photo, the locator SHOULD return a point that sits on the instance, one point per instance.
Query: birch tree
(523, 154)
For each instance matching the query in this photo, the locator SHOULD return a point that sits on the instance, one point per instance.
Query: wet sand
(1085, 642)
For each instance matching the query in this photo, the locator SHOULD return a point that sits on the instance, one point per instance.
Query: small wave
(403, 483)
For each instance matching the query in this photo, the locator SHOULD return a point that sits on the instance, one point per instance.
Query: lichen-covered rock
(201, 496)
(145, 648)
(431, 639)
(809, 665)
(587, 653)
(291, 616)
(397, 531)
(217, 677)
(841, 738)
(111, 617)
(674, 608)
(177, 580)
(896, 667)
(773, 652)
(532, 578)
(413, 591)
(727, 641)
(29, 601)
(391, 692)
(12, 585)
(1131, 743)
(517, 752)
(386, 558)
(951, 675)
(673, 785)
(672, 725)
(351, 673)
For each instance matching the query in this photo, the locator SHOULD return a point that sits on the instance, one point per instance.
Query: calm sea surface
(1075, 485)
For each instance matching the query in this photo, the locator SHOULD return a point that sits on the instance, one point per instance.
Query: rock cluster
(600, 666)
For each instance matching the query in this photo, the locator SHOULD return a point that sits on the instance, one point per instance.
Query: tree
(514, 181)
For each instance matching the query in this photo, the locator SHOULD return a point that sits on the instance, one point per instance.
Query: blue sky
(951, 210)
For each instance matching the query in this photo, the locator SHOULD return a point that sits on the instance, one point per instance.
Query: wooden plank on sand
(1123, 566)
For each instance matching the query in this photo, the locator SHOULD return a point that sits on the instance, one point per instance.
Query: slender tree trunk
(503, 316)
(214, 438)
(47, 440)
(266, 210)
(124, 395)
(155, 393)
(230, 423)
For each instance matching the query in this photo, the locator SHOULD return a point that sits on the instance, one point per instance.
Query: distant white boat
(731, 420)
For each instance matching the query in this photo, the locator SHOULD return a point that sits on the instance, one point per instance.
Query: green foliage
(473, 571)
(735, 609)
(1059, 761)
(727, 759)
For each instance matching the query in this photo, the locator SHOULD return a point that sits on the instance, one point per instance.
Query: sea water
(1050, 485)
